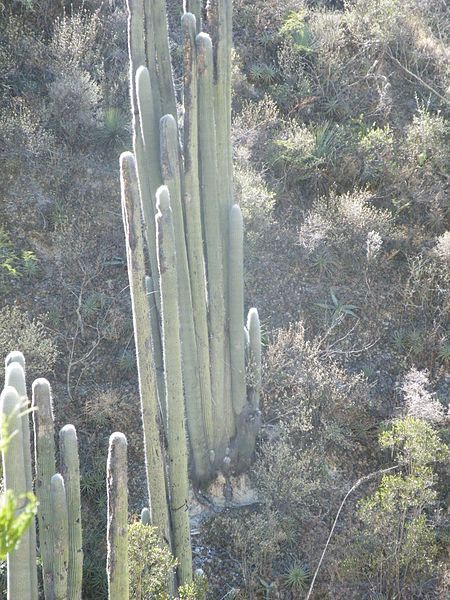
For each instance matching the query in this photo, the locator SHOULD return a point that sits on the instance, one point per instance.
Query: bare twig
(419, 79)
(352, 489)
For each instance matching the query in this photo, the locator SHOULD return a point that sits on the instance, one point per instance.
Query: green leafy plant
(397, 547)
(338, 309)
(296, 27)
(16, 515)
(150, 564)
(297, 577)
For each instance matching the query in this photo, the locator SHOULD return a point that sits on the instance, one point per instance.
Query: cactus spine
(45, 469)
(60, 529)
(19, 583)
(70, 470)
(15, 376)
(117, 536)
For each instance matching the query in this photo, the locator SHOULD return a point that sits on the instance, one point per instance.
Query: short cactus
(15, 376)
(18, 561)
(60, 530)
(70, 470)
(116, 478)
(45, 464)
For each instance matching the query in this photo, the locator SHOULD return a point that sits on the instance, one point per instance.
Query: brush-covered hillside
(340, 138)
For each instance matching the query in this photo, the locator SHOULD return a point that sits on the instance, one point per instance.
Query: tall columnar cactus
(195, 326)
(18, 561)
(70, 471)
(117, 536)
(60, 530)
(141, 314)
(207, 222)
(176, 435)
(45, 464)
(15, 376)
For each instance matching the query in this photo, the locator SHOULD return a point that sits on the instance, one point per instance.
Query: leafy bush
(397, 548)
(150, 565)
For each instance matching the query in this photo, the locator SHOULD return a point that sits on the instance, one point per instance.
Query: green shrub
(397, 548)
(150, 565)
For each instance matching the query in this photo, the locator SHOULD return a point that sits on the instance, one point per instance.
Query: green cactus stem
(45, 469)
(145, 516)
(158, 362)
(141, 315)
(195, 8)
(18, 561)
(15, 376)
(222, 410)
(193, 222)
(189, 344)
(60, 537)
(176, 434)
(147, 160)
(159, 34)
(236, 304)
(70, 470)
(117, 535)
(254, 363)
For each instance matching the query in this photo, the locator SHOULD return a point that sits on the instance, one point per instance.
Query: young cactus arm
(193, 221)
(254, 364)
(18, 561)
(143, 340)
(195, 7)
(117, 534)
(170, 168)
(45, 467)
(70, 470)
(162, 49)
(176, 434)
(60, 537)
(15, 376)
(236, 304)
(147, 161)
(222, 410)
(220, 26)
(145, 516)
(15, 356)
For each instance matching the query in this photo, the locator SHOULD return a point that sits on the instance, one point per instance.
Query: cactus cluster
(58, 495)
(197, 361)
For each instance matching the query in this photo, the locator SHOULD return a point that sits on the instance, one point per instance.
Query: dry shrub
(342, 225)
(31, 337)
(315, 401)
(252, 126)
(73, 42)
(420, 403)
(256, 202)
(74, 104)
